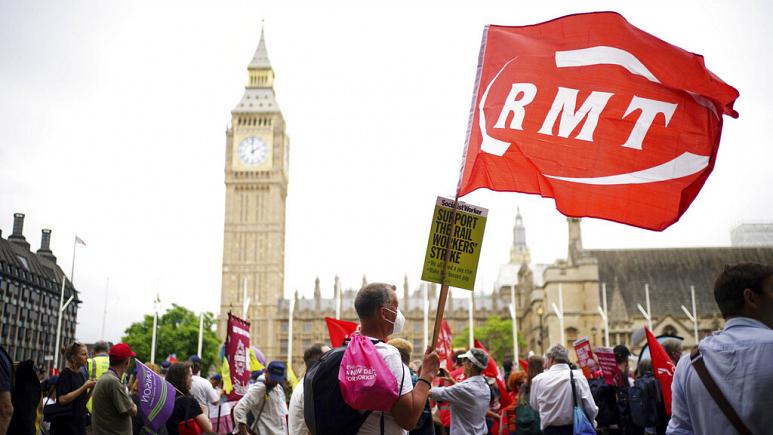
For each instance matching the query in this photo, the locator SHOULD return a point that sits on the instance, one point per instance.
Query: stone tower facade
(256, 178)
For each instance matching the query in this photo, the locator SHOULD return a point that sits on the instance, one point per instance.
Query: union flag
(605, 118)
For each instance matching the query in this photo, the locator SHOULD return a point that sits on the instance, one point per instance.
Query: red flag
(662, 366)
(492, 371)
(339, 330)
(444, 349)
(524, 364)
(605, 118)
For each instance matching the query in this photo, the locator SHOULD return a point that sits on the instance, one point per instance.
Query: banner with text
(237, 347)
(585, 357)
(156, 397)
(461, 234)
(608, 365)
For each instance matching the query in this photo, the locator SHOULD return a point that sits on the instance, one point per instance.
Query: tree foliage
(496, 334)
(178, 333)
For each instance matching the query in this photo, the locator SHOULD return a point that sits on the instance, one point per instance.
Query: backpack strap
(700, 368)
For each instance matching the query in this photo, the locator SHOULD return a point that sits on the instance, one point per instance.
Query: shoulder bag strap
(262, 406)
(700, 368)
(574, 394)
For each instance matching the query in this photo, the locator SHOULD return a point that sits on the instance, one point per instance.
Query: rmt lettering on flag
(610, 121)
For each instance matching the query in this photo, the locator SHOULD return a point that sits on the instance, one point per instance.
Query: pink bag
(364, 378)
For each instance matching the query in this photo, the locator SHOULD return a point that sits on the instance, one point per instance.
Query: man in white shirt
(265, 399)
(201, 389)
(377, 307)
(295, 418)
(470, 398)
(551, 394)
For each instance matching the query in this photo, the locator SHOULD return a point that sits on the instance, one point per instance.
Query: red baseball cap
(121, 350)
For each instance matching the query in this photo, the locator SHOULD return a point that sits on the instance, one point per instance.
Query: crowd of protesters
(98, 395)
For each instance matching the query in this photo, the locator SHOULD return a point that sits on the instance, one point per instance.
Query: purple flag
(156, 397)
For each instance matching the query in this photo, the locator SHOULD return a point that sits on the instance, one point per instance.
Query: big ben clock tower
(256, 176)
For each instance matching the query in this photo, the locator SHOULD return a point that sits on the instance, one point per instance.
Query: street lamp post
(540, 313)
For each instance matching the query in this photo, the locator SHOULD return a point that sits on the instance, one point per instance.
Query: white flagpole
(155, 326)
(72, 265)
(646, 313)
(425, 295)
(514, 315)
(337, 291)
(559, 310)
(201, 333)
(291, 312)
(245, 299)
(104, 311)
(604, 313)
(649, 310)
(471, 327)
(59, 324)
(695, 315)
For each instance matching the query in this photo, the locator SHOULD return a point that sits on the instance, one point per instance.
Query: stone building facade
(30, 286)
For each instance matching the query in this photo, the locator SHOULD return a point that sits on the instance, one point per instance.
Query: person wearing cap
(165, 367)
(551, 393)
(112, 408)
(265, 400)
(469, 399)
(201, 389)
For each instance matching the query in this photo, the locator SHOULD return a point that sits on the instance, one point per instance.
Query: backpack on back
(642, 399)
(324, 409)
(527, 420)
(604, 396)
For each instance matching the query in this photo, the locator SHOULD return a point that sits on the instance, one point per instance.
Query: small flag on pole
(79, 240)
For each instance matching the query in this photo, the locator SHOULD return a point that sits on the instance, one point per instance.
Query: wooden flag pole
(441, 302)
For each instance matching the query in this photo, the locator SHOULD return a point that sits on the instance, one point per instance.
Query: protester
(165, 367)
(72, 388)
(186, 407)
(201, 389)
(49, 397)
(295, 419)
(673, 348)
(738, 359)
(6, 381)
(622, 383)
(469, 399)
(424, 426)
(113, 409)
(551, 394)
(514, 384)
(527, 421)
(215, 410)
(377, 308)
(97, 365)
(507, 368)
(648, 413)
(457, 374)
(265, 400)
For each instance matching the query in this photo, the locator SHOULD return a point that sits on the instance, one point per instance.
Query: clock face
(252, 151)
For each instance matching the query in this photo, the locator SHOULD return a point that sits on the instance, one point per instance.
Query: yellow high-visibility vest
(96, 367)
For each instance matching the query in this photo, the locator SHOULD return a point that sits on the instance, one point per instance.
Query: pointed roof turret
(260, 58)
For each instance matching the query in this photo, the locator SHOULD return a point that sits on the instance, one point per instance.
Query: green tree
(178, 333)
(496, 334)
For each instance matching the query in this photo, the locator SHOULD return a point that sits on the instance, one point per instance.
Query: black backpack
(643, 398)
(324, 409)
(604, 396)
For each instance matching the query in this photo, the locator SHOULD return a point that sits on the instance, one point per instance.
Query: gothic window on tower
(284, 326)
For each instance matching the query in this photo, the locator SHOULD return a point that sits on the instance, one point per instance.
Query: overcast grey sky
(114, 117)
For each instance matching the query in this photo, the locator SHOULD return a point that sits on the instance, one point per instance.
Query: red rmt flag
(339, 330)
(605, 118)
(444, 348)
(662, 367)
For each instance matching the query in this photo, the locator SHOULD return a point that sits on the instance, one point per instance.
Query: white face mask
(399, 321)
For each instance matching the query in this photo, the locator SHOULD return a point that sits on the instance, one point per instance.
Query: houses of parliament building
(256, 178)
